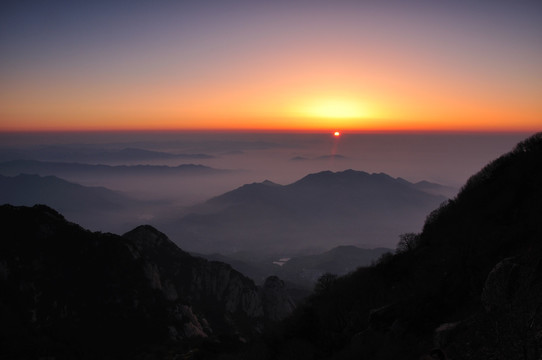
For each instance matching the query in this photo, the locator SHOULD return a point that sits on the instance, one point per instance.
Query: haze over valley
(249, 199)
(162, 177)
(74, 293)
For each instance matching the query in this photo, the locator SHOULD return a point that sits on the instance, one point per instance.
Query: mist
(159, 192)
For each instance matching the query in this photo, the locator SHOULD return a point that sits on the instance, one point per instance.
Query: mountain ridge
(16, 167)
(91, 154)
(320, 210)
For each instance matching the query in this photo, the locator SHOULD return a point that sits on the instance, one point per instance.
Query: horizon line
(270, 131)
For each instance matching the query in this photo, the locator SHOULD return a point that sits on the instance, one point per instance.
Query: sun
(336, 134)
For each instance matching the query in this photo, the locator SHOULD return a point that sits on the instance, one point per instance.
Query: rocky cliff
(277, 303)
(69, 293)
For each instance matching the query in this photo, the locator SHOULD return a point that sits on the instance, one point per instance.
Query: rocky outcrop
(277, 303)
(444, 334)
(383, 318)
(509, 327)
(66, 290)
(197, 281)
(500, 285)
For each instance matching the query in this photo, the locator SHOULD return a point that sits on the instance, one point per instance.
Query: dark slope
(320, 211)
(470, 284)
(67, 293)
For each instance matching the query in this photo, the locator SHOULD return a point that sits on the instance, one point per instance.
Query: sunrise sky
(271, 65)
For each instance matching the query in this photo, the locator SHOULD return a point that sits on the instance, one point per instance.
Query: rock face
(277, 303)
(510, 325)
(499, 287)
(175, 272)
(65, 292)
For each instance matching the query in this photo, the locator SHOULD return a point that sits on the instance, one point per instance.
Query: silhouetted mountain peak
(48, 211)
(320, 210)
(270, 183)
(146, 231)
(39, 211)
(146, 235)
(248, 192)
(341, 178)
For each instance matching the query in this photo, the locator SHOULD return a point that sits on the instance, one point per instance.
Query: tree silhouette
(324, 282)
(407, 242)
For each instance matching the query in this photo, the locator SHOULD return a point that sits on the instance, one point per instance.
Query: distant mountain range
(97, 208)
(62, 169)
(28, 190)
(318, 212)
(92, 154)
(323, 157)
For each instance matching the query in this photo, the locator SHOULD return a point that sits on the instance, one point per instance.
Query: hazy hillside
(306, 270)
(436, 189)
(16, 167)
(183, 184)
(316, 213)
(469, 286)
(67, 293)
(97, 208)
(27, 189)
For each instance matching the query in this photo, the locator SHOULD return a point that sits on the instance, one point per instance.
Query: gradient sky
(292, 65)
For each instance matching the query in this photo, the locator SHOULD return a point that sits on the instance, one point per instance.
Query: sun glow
(333, 109)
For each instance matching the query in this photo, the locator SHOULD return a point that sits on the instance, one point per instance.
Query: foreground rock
(69, 293)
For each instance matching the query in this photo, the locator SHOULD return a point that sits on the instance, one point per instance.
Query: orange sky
(312, 68)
